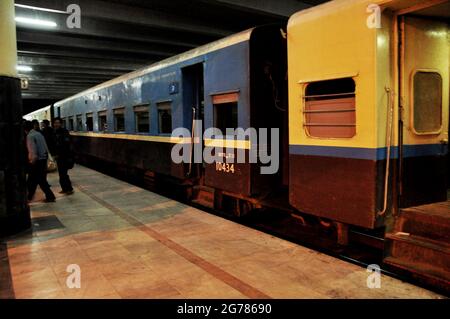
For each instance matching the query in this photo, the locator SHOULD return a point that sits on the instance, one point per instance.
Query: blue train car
(229, 83)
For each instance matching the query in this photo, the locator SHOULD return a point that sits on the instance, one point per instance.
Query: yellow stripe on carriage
(133, 137)
(226, 143)
(239, 144)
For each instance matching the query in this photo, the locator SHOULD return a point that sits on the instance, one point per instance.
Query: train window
(225, 111)
(329, 110)
(79, 123)
(142, 118)
(71, 124)
(89, 122)
(225, 116)
(427, 103)
(119, 120)
(164, 118)
(102, 123)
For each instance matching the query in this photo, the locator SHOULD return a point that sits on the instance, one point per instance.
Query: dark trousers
(38, 176)
(64, 179)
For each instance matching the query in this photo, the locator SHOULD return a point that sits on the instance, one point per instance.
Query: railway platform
(128, 242)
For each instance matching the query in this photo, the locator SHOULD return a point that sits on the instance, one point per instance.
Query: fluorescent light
(37, 22)
(39, 8)
(24, 68)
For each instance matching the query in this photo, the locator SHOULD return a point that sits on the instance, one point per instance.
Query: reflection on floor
(131, 243)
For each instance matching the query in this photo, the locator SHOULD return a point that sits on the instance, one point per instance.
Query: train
(40, 115)
(358, 91)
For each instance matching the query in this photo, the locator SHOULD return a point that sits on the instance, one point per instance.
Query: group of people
(42, 144)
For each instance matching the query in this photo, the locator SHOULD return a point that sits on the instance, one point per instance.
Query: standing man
(49, 135)
(37, 157)
(64, 157)
(36, 126)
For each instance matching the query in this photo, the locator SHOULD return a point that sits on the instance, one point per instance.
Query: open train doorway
(194, 100)
(424, 108)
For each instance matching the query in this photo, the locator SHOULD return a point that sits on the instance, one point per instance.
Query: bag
(51, 164)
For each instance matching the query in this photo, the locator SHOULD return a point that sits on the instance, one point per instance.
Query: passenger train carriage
(362, 103)
(44, 113)
(225, 84)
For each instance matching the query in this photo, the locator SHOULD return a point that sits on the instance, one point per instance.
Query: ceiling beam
(281, 8)
(118, 12)
(87, 43)
(76, 63)
(66, 72)
(119, 31)
(65, 77)
(65, 81)
(36, 49)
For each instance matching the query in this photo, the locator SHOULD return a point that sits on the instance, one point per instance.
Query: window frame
(119, 110)
(218, 100)
(100, 114)
(170, 103)
(140, 109)
(70, 123)
(304, 111)
(412, 107)
(79, 116)
(90, 115)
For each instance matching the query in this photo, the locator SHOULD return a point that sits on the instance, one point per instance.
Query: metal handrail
(390, 120)
(192, 140)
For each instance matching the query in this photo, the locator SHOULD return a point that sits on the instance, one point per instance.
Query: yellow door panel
(425, 81)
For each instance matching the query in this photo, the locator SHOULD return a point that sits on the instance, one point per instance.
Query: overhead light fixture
(36, 22)
(24, 68)
(39, 8)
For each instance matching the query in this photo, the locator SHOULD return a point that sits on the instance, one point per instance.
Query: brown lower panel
(237, 182)
(145, 155)
(341, 189)
(229, 175)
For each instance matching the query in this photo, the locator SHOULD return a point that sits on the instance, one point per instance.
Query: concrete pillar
(14, 210)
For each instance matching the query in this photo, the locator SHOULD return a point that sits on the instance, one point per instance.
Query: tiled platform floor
(131, 243)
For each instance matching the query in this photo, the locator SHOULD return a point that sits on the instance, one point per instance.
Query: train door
(193, 98)
(424, 110)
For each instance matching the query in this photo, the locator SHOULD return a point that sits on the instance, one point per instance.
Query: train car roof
(210, 47)
(335, 6)
(37, 111)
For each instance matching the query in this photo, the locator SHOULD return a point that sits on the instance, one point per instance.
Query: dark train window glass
(164, 118)
(89, 122)
(427, 102)
(71, 124)
(102, 123)
(226, 116)
(119, 120)
(79, 123)
(330, 110)
(142, 118)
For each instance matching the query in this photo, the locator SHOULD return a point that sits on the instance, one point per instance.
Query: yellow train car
(368, 81)
(360, 85)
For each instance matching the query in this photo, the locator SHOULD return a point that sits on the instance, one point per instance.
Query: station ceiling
(119, 36)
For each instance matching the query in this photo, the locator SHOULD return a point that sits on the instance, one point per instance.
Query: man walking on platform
(37, 157)
(63, 155)
(49, 135)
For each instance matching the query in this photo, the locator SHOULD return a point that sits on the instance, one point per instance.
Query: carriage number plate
(225, 167)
